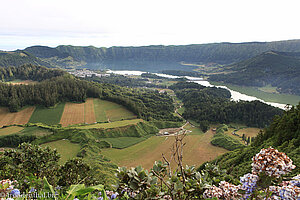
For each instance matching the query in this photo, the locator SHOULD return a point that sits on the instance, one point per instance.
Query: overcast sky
(105, 23)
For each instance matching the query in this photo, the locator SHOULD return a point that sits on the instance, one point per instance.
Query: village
(83, 73)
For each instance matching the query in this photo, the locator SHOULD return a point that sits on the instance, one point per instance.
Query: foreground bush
(268, 180)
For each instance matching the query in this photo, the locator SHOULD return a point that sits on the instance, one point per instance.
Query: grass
(196, 151)
(266, 96)
(110, 111)
(65, 148)
(99, 109)
(118, 114)
(10, 130)
(194, 123)
(48, 116)
(111, 125)
(249, 132)
(124, 142)
(195, 130)
(181, 110)
(36, 131)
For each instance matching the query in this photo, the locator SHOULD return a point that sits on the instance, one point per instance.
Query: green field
(48, 116)
(10, 130)
(36, 131)
(65, 148)
(111, 125)
(196, 151)
(266, 96)
(181, 110)
(110, 111)
(124, 142)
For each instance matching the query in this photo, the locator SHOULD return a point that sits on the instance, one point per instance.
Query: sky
(105, 23)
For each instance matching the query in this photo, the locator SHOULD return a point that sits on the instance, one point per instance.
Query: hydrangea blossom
(272, 162)
(6, 186)
(225, 190)
(249, 184)
(285, 192)
(15, 193)
(213, 192)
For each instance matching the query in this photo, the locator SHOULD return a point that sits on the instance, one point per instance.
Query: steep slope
(279, 69)
(159, 57)
(283, 134)
(45, 52)
(18, 58)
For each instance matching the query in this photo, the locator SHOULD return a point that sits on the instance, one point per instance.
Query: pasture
(197, 150)
(124, 142)
(110, 111)
(10, 130)
(48, 116)
(249, 132)
(65, 148)
(21, 117)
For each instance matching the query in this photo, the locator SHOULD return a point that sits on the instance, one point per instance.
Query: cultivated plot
(10, 130)
(73, 114)
(21, 117)
(89, 114)
(48, 116)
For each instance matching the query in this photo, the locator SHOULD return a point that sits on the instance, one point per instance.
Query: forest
(123, 81)
(56, 86)
(214, 105)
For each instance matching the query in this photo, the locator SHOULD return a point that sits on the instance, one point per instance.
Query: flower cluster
(268, 161)
(272, 162)
(225, 190)
(285, 192)
(213, 192)
(249, 183)
(6, 187)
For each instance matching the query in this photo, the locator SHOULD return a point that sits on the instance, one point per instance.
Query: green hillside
(18, 58)
(282, 134)
(278, 69)
(159, 57)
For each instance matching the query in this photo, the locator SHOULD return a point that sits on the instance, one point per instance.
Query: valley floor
(197, 150)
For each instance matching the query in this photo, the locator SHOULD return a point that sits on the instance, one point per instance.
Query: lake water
(236, 96)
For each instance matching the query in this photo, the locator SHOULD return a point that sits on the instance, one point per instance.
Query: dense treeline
(29, 72)
(123, 81)
(282, 134)
(148, 104)
(182, 73)
(214, 105)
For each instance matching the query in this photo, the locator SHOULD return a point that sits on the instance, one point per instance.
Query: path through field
(196, 151)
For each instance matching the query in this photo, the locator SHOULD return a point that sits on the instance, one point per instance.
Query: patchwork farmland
(90, 112)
